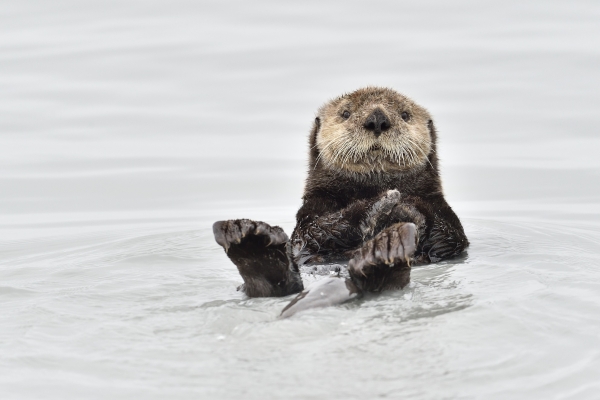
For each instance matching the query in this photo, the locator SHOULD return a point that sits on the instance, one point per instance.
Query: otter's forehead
(371, 97)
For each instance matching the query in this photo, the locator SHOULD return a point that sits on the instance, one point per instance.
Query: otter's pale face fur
(345, 144)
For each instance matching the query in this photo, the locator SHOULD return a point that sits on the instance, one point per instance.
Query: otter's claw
(235, 231)
(385, 259)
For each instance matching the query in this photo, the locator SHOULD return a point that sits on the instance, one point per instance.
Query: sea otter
(373, 197)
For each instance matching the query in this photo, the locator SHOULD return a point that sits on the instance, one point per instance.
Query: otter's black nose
(377, 122)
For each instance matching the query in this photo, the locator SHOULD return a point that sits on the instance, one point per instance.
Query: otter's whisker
(331, 143)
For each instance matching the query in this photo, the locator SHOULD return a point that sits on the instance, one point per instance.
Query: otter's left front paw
(384, 261)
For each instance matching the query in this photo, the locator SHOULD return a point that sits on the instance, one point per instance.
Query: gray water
(127, 128)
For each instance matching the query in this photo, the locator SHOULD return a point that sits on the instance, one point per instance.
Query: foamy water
(126, 129)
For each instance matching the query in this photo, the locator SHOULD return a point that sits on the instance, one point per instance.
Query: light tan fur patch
(345, 144)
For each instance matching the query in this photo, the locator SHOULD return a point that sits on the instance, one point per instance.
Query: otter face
(373, 130)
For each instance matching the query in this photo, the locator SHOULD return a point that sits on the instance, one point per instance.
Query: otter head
(372, 130)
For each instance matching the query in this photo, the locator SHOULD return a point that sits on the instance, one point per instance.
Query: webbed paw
(259, 252)
(384, 261)
(234, 232)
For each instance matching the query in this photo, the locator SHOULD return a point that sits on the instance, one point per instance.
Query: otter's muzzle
(377, 122)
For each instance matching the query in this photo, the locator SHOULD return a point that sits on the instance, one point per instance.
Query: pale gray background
(128, 127)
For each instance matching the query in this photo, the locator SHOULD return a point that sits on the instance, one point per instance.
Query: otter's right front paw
(236, 231)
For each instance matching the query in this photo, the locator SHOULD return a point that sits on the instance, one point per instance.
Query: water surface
(127, 128)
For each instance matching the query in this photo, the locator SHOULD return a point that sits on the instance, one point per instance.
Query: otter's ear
(315, 129)
(432, 131)
(312, 139)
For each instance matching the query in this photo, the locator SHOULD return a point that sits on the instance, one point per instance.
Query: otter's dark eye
(405, 116)
(346, 114)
